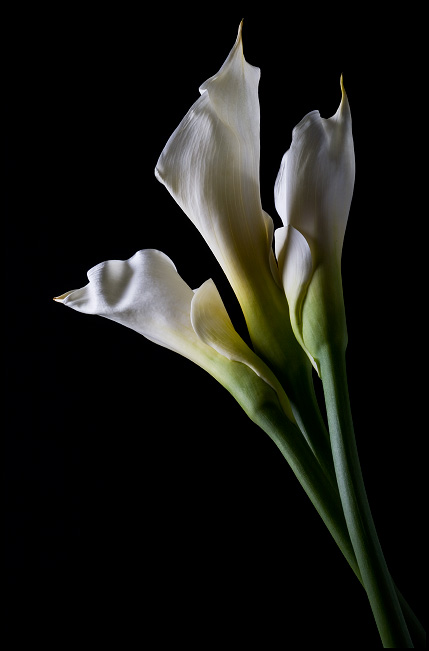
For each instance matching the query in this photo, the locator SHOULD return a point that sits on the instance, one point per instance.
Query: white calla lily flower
(293, 303)
(146, 294)
(314, 186)
(313, 193)
(210, 165)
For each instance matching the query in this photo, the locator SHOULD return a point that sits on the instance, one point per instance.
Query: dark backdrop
(140, 500)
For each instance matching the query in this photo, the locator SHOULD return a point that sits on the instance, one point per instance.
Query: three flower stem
(341, 501)
(328, 468)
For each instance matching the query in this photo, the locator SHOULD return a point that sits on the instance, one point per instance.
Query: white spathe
(314, 186)
(210, 165)
(146, 294)
(313, 193)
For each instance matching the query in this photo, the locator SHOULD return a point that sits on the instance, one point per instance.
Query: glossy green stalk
(369, 555)
(322, 493)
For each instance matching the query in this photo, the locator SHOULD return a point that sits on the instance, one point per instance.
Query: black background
(140, 501)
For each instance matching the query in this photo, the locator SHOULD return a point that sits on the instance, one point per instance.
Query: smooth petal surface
(210, 165)
(314, 187)
(144, 293)
(212, 324)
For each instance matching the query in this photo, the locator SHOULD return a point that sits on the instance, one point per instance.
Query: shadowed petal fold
(212, 324)
(296, 268)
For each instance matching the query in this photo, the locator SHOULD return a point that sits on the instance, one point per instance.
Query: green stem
(307, 414)
(324, 497)
(274, 341)
(310, 475)
(369, 555)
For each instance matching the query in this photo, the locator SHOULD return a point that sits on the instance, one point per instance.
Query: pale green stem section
(369, 555)
(274, 341)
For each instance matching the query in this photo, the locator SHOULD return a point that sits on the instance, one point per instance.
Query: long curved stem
(324, 496)
(313, 440)
(369, 555)
(310, 475)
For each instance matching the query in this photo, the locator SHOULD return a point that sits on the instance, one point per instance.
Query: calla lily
(313, 193)
(146, 294)
(210, 165)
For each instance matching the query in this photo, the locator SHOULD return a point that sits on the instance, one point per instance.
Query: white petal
(280, 191)
(210, 165)
(295, 262)
(212, 324)
(296, 269)
(144, 293)
(269, 224)
(314, 186)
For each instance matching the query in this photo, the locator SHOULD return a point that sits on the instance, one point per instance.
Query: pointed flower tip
(239, 40)
(344, 108)
(59, 299)
(343, 90)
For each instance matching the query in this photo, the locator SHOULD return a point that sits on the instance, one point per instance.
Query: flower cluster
(288, 284)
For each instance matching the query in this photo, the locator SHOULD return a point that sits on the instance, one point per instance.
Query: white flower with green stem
(292, 302)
